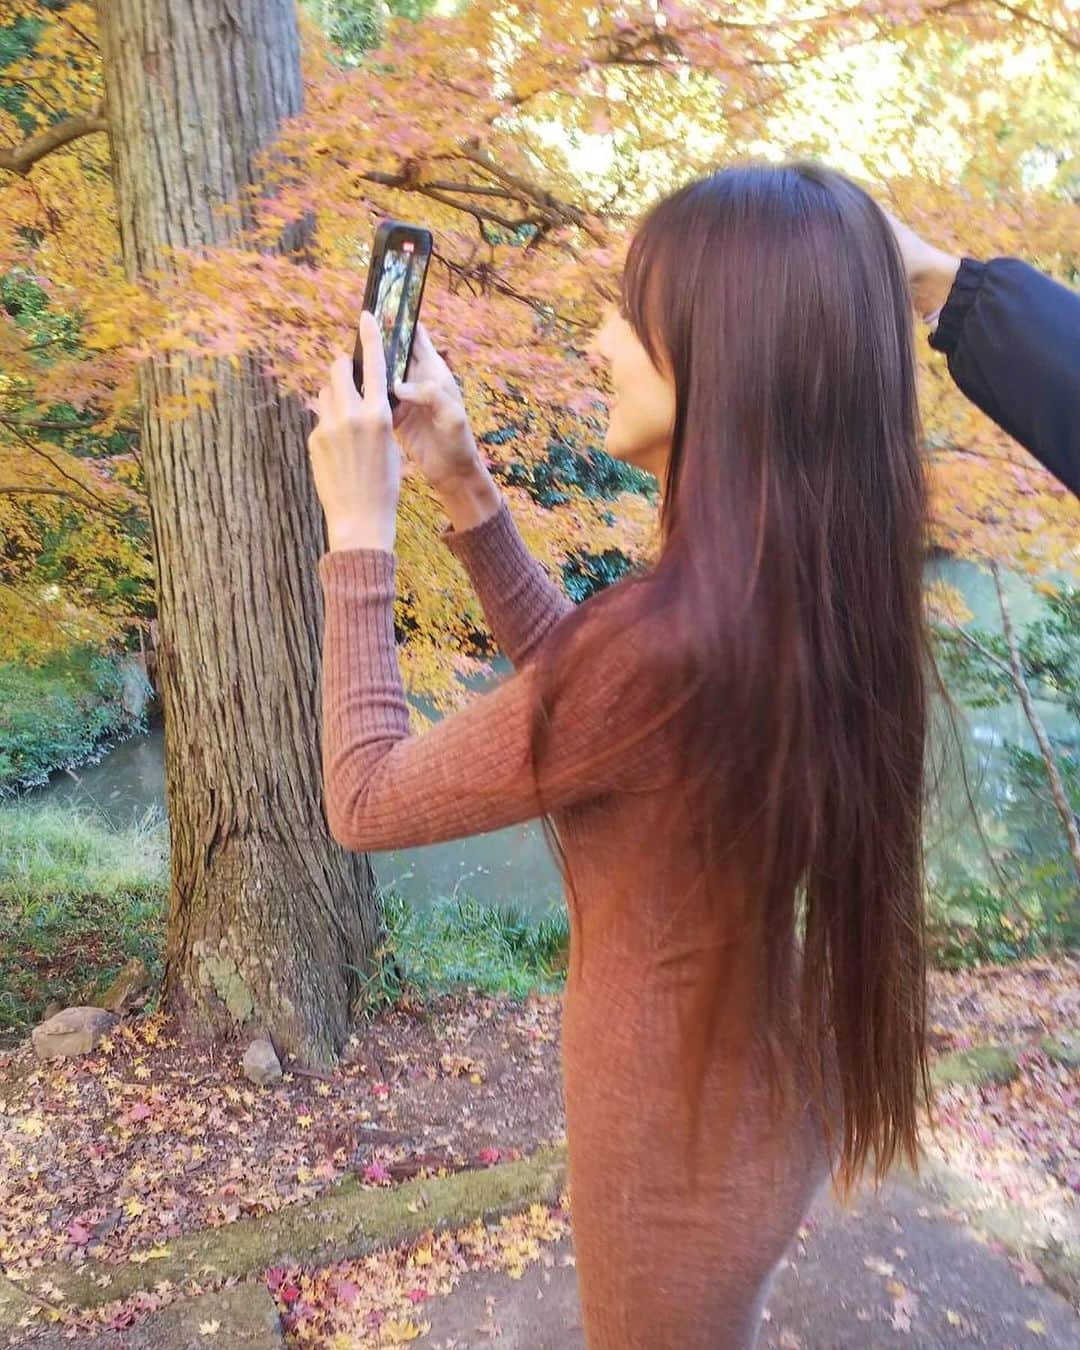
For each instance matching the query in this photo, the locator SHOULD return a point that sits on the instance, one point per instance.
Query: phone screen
(397, 303)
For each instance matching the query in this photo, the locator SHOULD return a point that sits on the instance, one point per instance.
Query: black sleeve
(1012, 338)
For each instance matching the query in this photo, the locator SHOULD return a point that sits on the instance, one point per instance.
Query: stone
(261, 1063)
(75, 1031)
(126, 987)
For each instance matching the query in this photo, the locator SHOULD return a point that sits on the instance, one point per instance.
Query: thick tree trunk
(271, 923)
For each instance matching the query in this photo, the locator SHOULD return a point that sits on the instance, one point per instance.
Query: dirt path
(894, 1271)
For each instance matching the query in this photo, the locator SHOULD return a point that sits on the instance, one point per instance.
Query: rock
(126, 987)
(75, 1031)
(136, 689)
(261, 1063)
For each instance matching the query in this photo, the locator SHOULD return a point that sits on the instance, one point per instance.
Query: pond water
(514, 866)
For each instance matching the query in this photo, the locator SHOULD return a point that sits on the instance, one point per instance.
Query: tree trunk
(271, 923)
(1046, 750)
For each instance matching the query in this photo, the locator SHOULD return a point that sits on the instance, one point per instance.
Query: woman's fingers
(325, 403)
(427, 361)
(422, 341)
(427, 393)
(374, 357)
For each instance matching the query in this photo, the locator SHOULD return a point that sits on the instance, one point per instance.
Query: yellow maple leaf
(209, 1328)
(133, 1207)
(304, 1121)
(1037, 1325)
(398, 1333)
(154, 1254)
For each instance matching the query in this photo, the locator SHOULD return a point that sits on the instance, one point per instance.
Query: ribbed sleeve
(521, 602)
(471, 772)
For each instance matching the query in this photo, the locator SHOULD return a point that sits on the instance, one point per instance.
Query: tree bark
(1046, 750)
(271, 923)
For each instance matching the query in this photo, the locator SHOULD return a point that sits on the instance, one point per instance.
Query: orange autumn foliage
(482, 126)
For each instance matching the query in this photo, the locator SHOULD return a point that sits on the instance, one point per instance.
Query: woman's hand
(431, 421)
(355, 460)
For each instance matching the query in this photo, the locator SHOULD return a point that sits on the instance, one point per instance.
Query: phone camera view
(397, 303)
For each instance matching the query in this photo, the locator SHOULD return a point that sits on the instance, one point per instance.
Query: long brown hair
(789, 581)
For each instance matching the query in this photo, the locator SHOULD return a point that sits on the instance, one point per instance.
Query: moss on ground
(347, 1220)
(981, 1064)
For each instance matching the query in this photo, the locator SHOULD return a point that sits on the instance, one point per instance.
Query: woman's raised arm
(471, 773)
(521, 602)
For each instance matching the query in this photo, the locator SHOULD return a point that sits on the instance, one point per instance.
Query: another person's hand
(930, 271)
(355, 460)
(431, 421)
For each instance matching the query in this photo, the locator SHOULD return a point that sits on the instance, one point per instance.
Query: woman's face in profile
(642, 410)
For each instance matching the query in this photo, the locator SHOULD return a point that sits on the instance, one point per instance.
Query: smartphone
(395, 285)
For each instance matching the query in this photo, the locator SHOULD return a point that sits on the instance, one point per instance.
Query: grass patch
(77, 899)
(58, 715)
(460, 943)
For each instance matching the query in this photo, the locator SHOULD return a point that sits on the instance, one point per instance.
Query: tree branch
(21, 159)
(37, 450)
(1046, 750)
(1070, 40)
(538, 196)
(6, 491)
(483, 276)
(63, 18)
(45, 425)
(409, 183)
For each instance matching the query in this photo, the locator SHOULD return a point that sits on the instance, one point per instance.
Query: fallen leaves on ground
(113, 1155)
(1017, 1003)
(379, 1300)
(1021, 1140)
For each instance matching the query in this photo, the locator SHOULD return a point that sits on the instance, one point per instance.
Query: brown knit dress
(661, 1263)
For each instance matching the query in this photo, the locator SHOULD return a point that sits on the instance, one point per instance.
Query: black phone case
(371, 290)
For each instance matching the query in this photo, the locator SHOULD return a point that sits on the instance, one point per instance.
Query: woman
(729, 746)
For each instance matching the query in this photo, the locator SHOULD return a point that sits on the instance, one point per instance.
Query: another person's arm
(1011, 336)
